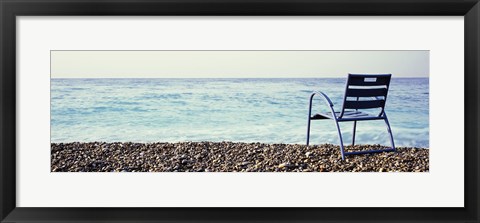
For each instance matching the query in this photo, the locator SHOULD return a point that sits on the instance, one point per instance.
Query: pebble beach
(230, 157)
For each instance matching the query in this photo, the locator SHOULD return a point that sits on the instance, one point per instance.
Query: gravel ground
(229, 157)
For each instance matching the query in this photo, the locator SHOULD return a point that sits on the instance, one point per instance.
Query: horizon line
(213, 77)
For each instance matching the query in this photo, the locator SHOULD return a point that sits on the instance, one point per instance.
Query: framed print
(239, 111)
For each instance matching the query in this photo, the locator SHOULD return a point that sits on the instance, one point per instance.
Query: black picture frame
(9, 9)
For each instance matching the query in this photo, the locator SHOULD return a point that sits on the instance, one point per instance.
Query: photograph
(239, 110)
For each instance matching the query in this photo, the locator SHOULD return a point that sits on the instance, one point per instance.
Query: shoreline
(229, 157)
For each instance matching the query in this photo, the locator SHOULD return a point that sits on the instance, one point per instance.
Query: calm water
(246, 110)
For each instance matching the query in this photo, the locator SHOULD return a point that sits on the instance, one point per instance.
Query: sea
(265, 110)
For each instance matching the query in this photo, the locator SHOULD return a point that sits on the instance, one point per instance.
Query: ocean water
(239, 110)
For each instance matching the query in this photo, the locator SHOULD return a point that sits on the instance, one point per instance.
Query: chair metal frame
(345, 116)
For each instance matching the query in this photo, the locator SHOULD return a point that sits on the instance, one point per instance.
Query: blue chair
(363, 91)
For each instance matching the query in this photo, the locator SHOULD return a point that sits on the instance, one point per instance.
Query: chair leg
(390, 132)
(341, 140)
(354, 129)
(308, 129)
(309, 118)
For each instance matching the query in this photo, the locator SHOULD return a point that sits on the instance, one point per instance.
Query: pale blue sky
(235, 64)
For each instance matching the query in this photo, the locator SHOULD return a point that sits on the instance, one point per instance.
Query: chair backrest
(366, 91)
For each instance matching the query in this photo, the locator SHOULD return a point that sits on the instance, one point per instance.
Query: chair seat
(347, 116)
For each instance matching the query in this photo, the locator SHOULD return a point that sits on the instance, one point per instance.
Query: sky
(236, 64)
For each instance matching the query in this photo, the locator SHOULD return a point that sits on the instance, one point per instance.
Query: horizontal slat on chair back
(368, 80)
(372, 92)
(363, 104)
